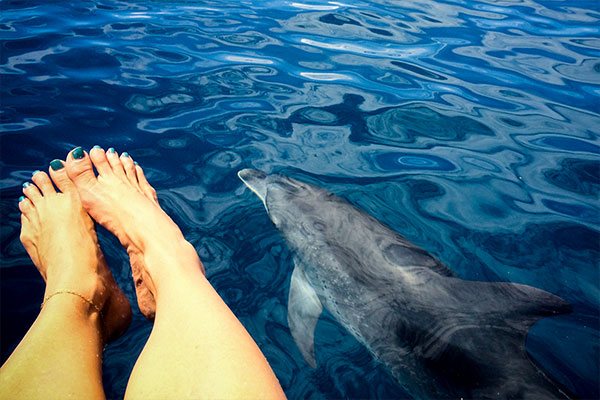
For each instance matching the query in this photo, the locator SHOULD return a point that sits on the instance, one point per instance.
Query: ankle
(74, 305)
(165, 233)
(90, 287)
(171, 265)
(182, 290)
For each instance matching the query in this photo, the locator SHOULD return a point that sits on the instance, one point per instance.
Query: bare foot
(59, 237)
(120, 199)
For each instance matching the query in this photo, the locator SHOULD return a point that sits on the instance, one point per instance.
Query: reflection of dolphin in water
(440, 336)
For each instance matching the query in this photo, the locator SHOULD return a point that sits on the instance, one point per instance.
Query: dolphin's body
(440, 336)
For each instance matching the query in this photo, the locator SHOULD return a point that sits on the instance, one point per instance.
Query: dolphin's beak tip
(244, 173)
(255, 180)
(248, 173)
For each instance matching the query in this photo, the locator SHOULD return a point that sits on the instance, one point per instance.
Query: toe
(79, 169)
(144, 185)
(29, 219)
(26, 207)
(24, 222)
(129, 168)
(59, 176)
(115, 163)
(29, 225)
(32, 192)
(100, 161)
(43, 182)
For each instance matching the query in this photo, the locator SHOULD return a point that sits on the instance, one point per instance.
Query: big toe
(79, 169)
(59, 176)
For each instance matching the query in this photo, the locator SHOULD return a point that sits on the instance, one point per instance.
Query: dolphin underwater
(439, 336)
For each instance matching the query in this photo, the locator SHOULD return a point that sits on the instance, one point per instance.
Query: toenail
(96, 147)
(35, 172)
(111, 150)
(21, 198)
(56, 165)
(78, 153)
(125, 154)
(26, 184)
(135, 163)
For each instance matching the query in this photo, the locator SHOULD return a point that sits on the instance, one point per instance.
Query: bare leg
(197, 347)
(61, 354)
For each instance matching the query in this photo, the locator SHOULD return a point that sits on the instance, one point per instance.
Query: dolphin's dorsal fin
(510, 301)
(304, 309)
(484, 330)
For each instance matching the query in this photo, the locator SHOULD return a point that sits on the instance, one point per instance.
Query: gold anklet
(74, 294)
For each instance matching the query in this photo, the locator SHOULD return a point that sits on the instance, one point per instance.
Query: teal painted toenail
(35, 172)
(21, 198)
(96, 147)
(26, 184)
(111, 150)
(135, 163)
(125, 154)
(56, 165)
(78, 153)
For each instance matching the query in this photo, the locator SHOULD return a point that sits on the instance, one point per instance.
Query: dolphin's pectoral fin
(304, 308)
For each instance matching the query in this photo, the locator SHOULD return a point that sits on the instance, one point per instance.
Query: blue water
(470, 127)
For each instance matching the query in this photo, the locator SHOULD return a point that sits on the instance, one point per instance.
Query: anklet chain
(74, 294)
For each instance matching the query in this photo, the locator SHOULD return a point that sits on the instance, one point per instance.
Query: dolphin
(438, 335)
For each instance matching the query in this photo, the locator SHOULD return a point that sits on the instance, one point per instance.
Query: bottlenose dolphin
(439, 336)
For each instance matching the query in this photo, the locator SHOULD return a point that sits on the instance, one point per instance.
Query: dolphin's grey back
(440, 336)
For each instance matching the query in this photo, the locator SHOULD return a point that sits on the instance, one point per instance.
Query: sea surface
(470, 127)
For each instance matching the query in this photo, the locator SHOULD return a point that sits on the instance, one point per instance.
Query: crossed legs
(197, 348)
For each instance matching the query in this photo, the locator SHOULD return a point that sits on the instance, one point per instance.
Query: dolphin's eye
(319, 226)
(287, 186)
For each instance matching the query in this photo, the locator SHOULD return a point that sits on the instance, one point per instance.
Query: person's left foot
(59, 237)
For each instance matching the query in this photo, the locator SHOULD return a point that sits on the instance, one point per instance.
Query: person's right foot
(121, 200)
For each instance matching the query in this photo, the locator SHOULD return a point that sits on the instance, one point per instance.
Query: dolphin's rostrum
(440, 336)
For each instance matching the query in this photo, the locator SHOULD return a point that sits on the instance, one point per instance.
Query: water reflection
(469, 128)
